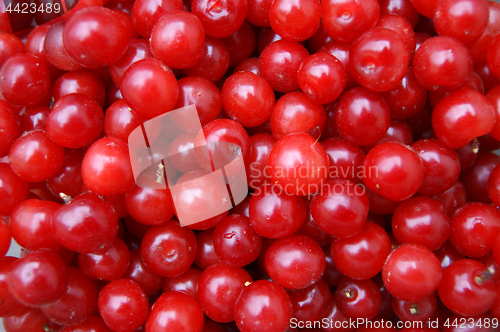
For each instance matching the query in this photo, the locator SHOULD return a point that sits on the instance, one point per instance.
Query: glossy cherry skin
(35, 157)
(10, 45)
(393, 170)
(284, 17)
(168, 250)
(175, 312)
(55, 53)
(362, 116)
(310, 303)
(474, 229)
(205, 255)
(441, 166)
(311, 229)
(28, 320)
(346, 20)
(106, 167)
(10, 127)
(170, 36)
(442, 61)
(241, 44)
(92, 324)
(297, 113)
(466, 25)
(298, 164)
(138, 49)
(150, 282)
(9, 305)
(476, 178)
(236, 243)
(81, 81)
(214, 62)
(86, 48)
(219, 287)
(362, 255)
(108, 264)
(78, 302)
(68, 179)
(123, 305)
(279, 62)
(150, 88)
(149, 206)
(260, 148)
(198, 91)
(120, 120)
(411, 272)
(464, 288)
(415, 310)
(274, 214)
(263, 304)
(5, 237)
(75, 121)
(462, 116)
(258, 12)
(358, 298)
(13, 190)
(295, 261)
(322, 77)
(87, 224)
(220, 19)
(344, 158)
(340, 208)
(335, 315)
(422, 221)
(145, 13)
(31, 224)
(38, 279)
(247, 98)
(378, 60)
(24, 80)
(493, 186)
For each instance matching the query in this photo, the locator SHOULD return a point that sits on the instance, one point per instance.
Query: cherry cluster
(366, 128)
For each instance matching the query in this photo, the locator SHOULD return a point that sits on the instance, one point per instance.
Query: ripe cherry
(467, 288)
(358, 298)
(284, 17)
(411, 272)
(393, 170)
(108, 264)
(221, 19)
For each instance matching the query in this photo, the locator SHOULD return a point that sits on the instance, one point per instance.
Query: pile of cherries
(366, 127)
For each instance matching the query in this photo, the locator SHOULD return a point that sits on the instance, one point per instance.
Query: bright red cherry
(378, 59)
(358, 298)
(177, 40)
(263, 304)
(174, 312)
(322, 77)
(474, 229)
(150, 88)
(85, 35)
(284, 16)
(346, 20)
(220, 19)
(464, 20)
(299, 164)
(467, 288)
(13, 190)
(75, 121)
(10, 127)
(107, 264)
(87, 224)
(106, 167)
(442, 61)
(340, 208)
(462, 116)
(362, 255)
(393, 170)
(247, 98)
(295, 262)
(362, 116)
(35, 157)
(38, 279)
(412, 272)
(123, 305)
(421, 220)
